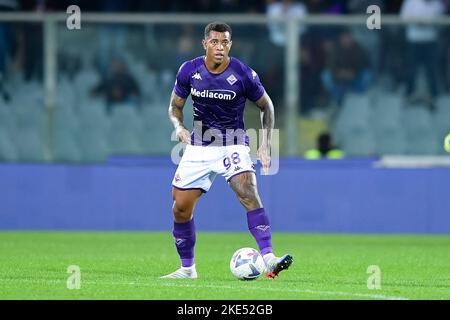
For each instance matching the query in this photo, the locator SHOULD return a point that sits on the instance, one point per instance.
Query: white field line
(180, 285)
(332, 293)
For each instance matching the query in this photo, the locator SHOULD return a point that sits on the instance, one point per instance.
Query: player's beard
(218, 59)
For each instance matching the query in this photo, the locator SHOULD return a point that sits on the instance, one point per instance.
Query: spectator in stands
(445, 54)
(393, 6)
(316, 42)
(325, 149)
(348, 68)
(445, 60)
(112, 37)
(119, 86)
(275, 51)
(422, 42)
(5, 39)
(185, 47)
(283, 9)
(31, 39)
(5, 43)
(360, 6)
(310, 84)
(367, 38)
(326, 6)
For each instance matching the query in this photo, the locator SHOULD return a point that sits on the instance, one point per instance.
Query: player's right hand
(263, 155)
(183, 135)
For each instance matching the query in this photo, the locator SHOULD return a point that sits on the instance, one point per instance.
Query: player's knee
(250, 201)
(182, 212)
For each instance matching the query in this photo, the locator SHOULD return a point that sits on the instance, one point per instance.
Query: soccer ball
(247, 264)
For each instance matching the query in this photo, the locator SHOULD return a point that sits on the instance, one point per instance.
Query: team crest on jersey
(197, 76)
(231, 79)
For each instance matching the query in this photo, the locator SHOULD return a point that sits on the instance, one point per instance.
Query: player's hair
(218, 27)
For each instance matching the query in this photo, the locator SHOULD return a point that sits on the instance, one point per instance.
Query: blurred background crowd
(375, 91)
(197, 6)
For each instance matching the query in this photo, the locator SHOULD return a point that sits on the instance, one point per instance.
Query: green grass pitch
(127, 265)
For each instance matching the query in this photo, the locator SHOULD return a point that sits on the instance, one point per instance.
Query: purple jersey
(219, 99)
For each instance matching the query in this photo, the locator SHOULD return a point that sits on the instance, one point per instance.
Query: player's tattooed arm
(176, 116)
(265, 104)
(176, 110)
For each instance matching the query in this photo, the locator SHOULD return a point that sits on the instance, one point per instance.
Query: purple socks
(184, 234)
(259, 226)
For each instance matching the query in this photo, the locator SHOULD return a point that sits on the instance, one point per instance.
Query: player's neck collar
(217, 73)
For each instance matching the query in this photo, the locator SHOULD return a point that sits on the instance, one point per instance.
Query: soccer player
(219, 86)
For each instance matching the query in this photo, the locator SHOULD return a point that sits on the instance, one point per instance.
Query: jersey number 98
(234, 159)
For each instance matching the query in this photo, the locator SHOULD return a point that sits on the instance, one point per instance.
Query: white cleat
(182, 273)
(271, 261)
(275, 265)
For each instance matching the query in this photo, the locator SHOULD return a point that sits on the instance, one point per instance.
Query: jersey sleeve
(182, 86)
(253, 87)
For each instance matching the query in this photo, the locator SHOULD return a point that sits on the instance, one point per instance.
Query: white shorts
(200, 165)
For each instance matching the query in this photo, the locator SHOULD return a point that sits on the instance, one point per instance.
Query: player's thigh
(196, 169)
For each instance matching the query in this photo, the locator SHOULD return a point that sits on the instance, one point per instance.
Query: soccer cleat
(182, 273)
(276, 265)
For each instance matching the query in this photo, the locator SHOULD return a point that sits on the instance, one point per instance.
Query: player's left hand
(263, 155)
